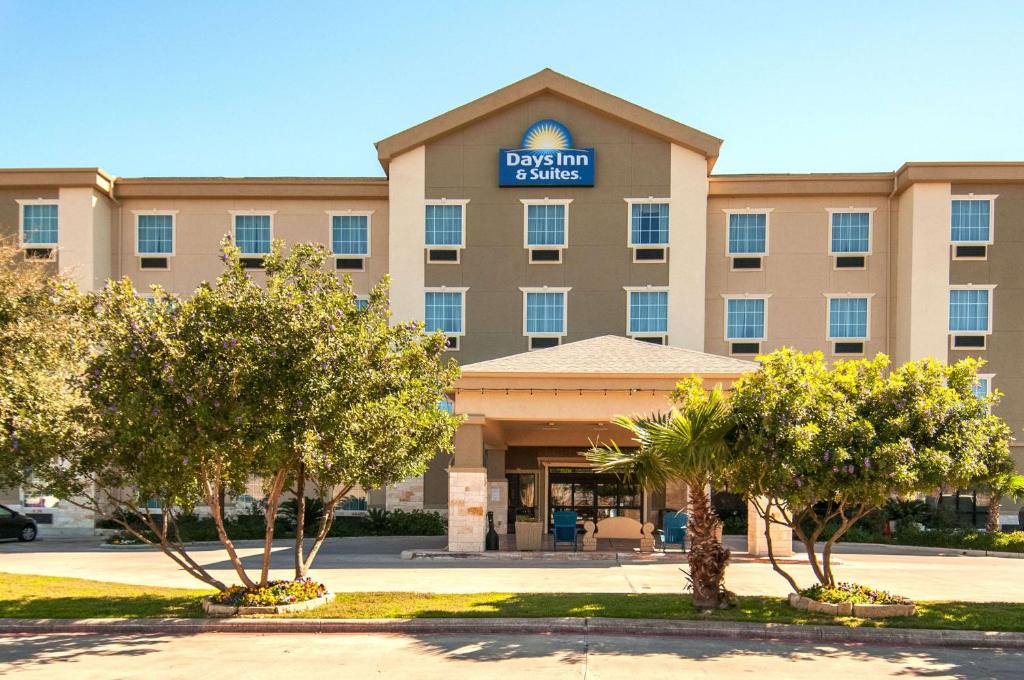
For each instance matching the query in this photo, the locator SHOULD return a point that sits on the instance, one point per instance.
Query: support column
(757, 544)
(467, 489)
(406, 495)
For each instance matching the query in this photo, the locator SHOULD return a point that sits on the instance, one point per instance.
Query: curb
(932, 550)
(489, 626)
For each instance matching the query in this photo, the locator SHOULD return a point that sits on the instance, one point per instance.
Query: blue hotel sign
(546, 159)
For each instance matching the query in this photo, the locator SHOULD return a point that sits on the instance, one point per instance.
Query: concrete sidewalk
(374, 564)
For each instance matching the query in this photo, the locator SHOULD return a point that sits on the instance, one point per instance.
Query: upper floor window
(350, 234)
(253, 232)
(850, 232)
(546, 228)
(971, 220)
(648, 224)
(544, 315)
(362, 302)
(745, 318)
(647, 313)
(982, 386)
(154, 233)
(444, 311)
(848, 318)
(969, 310)
(748, 233)
(39, 224)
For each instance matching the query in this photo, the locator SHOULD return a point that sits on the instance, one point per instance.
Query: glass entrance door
(591, 495)
(522, 497)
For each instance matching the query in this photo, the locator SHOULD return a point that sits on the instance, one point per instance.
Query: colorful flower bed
(123, 539)
(274, 593)
(851, 592)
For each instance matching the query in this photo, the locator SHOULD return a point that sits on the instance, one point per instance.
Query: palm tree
(1007, 485)
(688, 444)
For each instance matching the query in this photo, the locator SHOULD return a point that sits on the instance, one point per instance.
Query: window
(362, 302)
(848, 318)
(983, 387)
(154, 238)
(253, 233)
(969, 310)
(850, 232)
(444, 311)
(39, 229)
(545, 228)
(748, 233)
(648, 229)
(445, 230)
(350, 234)
(544, 314)
(744, 318)
(971, 220)
(647, 313)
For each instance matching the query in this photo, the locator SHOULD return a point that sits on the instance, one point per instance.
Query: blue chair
(564, 528)
(674, 529)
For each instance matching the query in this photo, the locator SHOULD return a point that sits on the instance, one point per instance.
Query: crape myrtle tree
(819, 448)
(687, 443)
(287, 380)
(44, 343)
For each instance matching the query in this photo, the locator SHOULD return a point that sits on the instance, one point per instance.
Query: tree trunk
(707, 557)
(995, 505)
(273, 498)
(767, 517)
(325, 527)
(300, 522)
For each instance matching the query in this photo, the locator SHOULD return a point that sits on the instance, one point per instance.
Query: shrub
(963, 539)
(377, 521)
(289, 512)
(416, 523)
(274, 593)
(851, 592)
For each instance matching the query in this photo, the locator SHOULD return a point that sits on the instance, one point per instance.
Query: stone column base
(467, 504)
(757, 544)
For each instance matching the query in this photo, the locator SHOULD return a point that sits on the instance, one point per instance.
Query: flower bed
(851, 599)
(274, 598)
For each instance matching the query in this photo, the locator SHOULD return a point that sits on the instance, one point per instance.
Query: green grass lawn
(51, 597)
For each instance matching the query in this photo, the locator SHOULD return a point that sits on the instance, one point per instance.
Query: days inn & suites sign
(546, 159)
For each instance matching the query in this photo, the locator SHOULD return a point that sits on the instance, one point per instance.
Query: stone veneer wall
(467, 502)
(68, 520)
(406, 495)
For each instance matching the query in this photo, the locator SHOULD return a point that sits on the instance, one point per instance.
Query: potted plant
(528, 532)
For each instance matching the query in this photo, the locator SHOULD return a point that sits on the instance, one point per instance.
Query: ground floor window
(591, 495)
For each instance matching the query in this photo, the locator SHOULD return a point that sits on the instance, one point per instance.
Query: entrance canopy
(533, 413)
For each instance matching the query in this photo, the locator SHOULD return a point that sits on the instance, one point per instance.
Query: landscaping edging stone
(864, 611)
(596, 626)
(214, 609)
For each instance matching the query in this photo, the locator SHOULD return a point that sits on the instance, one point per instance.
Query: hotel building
(548, 213)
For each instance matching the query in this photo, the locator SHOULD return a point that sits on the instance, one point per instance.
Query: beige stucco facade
(639, 156)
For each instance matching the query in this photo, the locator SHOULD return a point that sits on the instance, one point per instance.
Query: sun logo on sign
(547, 135)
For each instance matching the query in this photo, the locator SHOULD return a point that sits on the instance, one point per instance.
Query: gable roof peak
(549, 80)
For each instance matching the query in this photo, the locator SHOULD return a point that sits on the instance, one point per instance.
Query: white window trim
(527, 202)
(331, 214)
(744, 296)
(990, 377)
(22, 202)
(464, 202)
(767, 230)
(462, 306)
(871, 229)
(629, 309)
(991, 198)
(991, 304)
(174, 231)
(629, 225)
(828, 317)
(234, 228)
(565, 310)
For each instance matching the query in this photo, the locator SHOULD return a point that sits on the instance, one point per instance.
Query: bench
(618, 527)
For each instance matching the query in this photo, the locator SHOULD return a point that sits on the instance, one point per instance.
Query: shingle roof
(613, 355)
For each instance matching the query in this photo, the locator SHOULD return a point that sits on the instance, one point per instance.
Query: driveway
(442, 657)
(373, 564)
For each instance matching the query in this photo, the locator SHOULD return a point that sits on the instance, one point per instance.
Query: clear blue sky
(260, 88)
